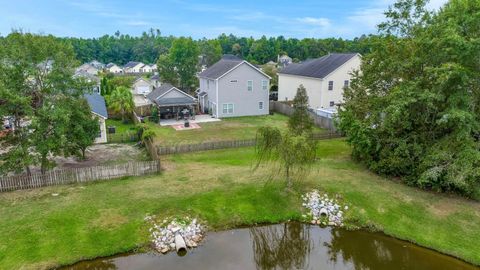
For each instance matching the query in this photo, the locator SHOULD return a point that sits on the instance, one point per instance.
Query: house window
(208, 84)
(332, 103)
(260, 105)
(264, 85)
(330, 85)
(346, 83)
(249, 85)
(228, 108)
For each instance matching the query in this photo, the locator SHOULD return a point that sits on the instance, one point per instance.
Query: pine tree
(300, 121)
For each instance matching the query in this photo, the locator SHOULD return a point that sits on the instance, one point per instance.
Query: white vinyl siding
(264, 85)
(250, 85)
(228, 108)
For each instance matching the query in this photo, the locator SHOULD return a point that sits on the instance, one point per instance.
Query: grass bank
(38, 230)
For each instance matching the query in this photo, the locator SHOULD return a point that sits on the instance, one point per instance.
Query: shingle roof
(319, 67)
(159, 91)
(176, 101)
(164, 88)
(221, 67)
(155, 77)
(97, 104)
(131, 64)
(109, 65)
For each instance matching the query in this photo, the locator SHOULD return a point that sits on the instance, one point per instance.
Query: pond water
(288, 246)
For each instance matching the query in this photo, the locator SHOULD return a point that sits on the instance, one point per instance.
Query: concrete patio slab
(204, 118)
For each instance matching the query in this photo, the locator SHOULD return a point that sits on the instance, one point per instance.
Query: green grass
(121, 127)
(38, 230)
(238, 128)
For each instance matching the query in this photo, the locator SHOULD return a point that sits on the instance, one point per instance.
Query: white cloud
(321, 22)
(137, 23)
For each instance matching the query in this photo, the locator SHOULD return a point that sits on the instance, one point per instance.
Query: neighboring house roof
(225, 65)
(97, 104)
(319, 67)
(155, 78)
(86, 75)
(157, 94)
(131, 64)
(109, 65)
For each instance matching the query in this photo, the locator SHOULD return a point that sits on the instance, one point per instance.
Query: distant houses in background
(324, 79)
(132, 67)
(233, 87)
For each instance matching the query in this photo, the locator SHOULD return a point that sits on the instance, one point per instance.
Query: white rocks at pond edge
(163, 235)
(322, 209)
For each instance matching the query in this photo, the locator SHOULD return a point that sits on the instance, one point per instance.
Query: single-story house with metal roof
(99, 111)
(324, 79)
(172, 102)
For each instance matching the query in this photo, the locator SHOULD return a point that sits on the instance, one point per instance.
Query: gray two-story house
(233, 87)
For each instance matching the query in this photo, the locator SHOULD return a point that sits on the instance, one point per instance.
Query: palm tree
(121, 101)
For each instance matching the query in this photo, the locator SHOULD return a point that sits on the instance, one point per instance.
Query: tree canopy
(414, 110)
(37, 88)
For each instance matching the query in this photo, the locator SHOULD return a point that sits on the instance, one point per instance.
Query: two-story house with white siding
(324, 79)
(233, 87)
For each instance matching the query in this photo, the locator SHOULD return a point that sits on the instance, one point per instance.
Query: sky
(292, 19)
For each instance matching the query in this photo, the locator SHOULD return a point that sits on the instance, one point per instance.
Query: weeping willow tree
(292, 154)
(294, 150)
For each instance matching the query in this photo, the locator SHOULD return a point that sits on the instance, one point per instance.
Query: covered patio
(173, 104)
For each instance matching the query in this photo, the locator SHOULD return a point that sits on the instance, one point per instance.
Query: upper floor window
(330, 85)
(346, 83)
(250, 85)
(332, 103)
(208, 84)
(264, 85)
(260, 105)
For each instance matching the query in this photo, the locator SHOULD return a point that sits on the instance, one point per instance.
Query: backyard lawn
(238, 128)
(39, 230)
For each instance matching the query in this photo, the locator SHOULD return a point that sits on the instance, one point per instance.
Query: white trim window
(330, 85)
(346, 83)
(260, 105)
(227, 108)
(332, 103)
(250, 85)
(264, 85)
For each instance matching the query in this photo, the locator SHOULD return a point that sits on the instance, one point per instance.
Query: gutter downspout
(216, 92)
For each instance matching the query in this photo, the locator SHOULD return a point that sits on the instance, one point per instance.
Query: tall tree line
(148, 47)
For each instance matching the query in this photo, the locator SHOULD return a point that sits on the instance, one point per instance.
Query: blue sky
(299, 19)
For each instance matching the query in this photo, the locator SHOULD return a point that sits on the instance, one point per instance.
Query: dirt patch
(104, 154)
(443, 208)
(109, 218)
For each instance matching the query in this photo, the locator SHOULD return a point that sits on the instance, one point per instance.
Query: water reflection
(281, 247)
(289, 246)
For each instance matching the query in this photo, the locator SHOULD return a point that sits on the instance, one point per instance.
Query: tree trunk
(83, 153)
(43, 166)
(289, 180)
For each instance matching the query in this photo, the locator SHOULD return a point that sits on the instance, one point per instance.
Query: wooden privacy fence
(185, 148)
(319, 121)
(78, 175)
(123, 137)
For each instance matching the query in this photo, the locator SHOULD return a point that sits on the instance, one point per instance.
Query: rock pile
(322, 209)
(163, 234)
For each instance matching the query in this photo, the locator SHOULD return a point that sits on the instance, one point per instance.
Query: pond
(288, 246)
